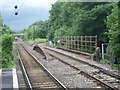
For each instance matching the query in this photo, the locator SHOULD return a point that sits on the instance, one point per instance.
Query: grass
(37, 40)
(117, 66)
(104, 61)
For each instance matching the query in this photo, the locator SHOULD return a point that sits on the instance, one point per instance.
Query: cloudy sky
(29, 11)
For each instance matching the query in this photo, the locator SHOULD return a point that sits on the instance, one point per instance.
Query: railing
(81, 43)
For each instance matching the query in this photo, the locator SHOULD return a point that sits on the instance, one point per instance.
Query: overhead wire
(22, 4)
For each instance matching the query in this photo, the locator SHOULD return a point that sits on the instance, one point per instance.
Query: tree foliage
(113, 24)
(7, 43)
(79, 18)
(6, 46)
(36, 30)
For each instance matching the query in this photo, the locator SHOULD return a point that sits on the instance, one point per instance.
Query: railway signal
(16, 13)
(15, 6)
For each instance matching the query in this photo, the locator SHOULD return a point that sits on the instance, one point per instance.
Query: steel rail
(87, 74)
(103, 70)
(49, 73)
(24, 70)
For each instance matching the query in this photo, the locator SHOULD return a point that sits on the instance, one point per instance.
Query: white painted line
(15, 79)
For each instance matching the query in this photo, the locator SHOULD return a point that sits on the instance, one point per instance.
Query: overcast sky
(29, 11)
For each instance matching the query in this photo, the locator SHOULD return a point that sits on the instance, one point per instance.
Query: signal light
(16, 13)
(15, 6)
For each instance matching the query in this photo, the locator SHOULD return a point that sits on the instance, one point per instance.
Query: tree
(76, 19)
(36, 30)
(113, 24)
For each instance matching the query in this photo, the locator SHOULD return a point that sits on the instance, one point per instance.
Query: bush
(7, 43)
(38, 40)
(114, 33)
(7, 56)
(7, 61)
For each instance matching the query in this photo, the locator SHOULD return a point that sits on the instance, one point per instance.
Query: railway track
(101, 76)
(36, 75)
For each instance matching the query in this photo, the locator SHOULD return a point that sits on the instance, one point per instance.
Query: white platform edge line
(15, 79)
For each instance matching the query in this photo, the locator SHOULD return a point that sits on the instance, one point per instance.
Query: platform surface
(8, 79)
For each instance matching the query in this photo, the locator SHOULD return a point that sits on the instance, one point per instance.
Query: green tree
(7, 43)
(36, 30)
(114, 32)
(79, 18)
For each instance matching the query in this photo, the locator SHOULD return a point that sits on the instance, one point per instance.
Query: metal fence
(81, 43)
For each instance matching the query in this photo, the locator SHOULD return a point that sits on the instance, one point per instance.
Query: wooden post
(96, 40)
(90, 44)
(68, 42)
(81, 43)
(85, 44)
(74, 45)
(78, 42)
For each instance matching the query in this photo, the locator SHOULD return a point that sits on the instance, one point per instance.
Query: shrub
(114, 32)
(7, 56)
(7, 43)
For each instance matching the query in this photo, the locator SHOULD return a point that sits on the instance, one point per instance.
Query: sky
(29, 11)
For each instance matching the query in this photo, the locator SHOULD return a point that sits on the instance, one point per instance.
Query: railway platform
(8, 79)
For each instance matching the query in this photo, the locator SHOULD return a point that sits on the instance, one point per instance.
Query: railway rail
(36, 74)
(103, 77)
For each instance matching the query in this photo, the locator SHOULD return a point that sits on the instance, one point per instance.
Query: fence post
(96, 40)
(90, 44)
(68, 42)
(78, 42)
(81, 43)
(65, 41)
(102, 51)
(85, 44)
(60, 41)
(74, 43)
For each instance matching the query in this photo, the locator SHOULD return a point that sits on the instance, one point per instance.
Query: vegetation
(6, 46)
(38, 40)
(114, 33)
(76, 19)
(105, 61)
(72, 19)
(36, 30)
(80, 19)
